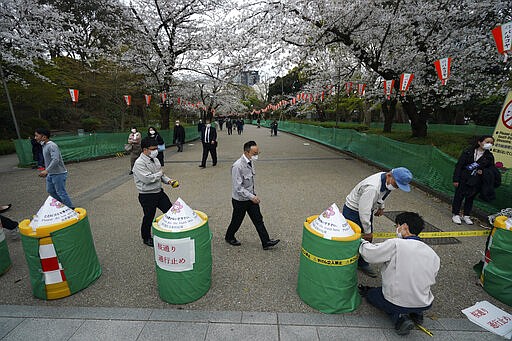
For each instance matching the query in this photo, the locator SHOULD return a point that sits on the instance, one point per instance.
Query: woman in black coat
(467, 177)
(153, 134)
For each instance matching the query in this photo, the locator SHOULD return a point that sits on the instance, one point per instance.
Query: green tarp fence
(430, 166)
(90, 146)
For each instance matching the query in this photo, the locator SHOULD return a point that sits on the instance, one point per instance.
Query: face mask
(398, 233)
(153, 154)
(208, 125)
(134, 131)
(254, 157)
(41, 143)
(487, 146)
(152, 132)
(390, 187)
(177, 124)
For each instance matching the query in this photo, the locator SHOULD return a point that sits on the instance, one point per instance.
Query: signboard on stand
(502, 148)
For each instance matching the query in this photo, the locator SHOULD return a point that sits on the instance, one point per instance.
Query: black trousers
(209, 148)
(150, 202)
(8, 223)
(459, 197)
(239, 210)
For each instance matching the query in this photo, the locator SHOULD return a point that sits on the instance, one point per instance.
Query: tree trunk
(165, 113)
(389, 111)
(418, 121)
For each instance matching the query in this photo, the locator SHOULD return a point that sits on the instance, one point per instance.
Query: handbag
(161, 147)
(128, 147)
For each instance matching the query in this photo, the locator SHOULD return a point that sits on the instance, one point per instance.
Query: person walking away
(367, 199)
(229, 126)
(467, 177)
(153, 134)
(134, 140)
(148, 177)
(409, 270)
(200, 126)
(244, 198)
(274, 127)
(221, 123)
(179, 136)
(37, 154)
(55, 172)
(209, 141)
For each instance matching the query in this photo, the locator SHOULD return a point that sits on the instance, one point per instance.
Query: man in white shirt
(409, 270)
(367, 199)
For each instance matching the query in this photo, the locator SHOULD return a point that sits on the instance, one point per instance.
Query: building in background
(250, 77)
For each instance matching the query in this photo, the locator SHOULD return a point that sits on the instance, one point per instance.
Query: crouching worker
(409, 270)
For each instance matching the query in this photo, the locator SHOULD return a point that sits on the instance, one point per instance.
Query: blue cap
(403, 177)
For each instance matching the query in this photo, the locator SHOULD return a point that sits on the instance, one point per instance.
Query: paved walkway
(253, 293)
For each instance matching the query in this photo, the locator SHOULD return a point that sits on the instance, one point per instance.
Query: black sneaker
(404, 325)
(148, 242)
(363, 290)
(416, 318)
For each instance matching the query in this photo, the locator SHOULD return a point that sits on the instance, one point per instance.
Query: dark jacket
(213, 135)
(179, 134)
(156, 137)
(469, 179)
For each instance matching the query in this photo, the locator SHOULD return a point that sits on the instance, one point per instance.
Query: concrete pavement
(253, 293)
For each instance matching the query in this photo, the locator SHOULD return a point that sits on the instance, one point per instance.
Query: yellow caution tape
(329, 262)
(425, 330)
(475, 233)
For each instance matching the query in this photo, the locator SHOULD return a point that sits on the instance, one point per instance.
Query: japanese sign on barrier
(180, 217)
(52, 212)
(491, 318)
(176, 255)
(331, 223)
(502, 148)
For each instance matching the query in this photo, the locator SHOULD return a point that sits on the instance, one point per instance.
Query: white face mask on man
(152, 132)
(153, 153)
(398, 233)
(390, 187)
(254, 157)
(487, 146)
(134, 131)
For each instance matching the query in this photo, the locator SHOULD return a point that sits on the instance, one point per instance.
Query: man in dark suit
(179, 136)
(209, 140)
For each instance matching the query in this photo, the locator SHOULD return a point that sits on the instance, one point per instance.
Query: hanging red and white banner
(388, 87)
(127, 99)
(405, 82)
(361, 89)
(323, 95)
(148, 99)
(163, 96)
(503, 38)
(443, 69)
(348, 87)
(74, 95)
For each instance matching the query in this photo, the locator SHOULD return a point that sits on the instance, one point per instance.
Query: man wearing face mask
(367, 200)
(209, 140)
(409, 270)
(179, 136)
(244, 198)
(148, 177)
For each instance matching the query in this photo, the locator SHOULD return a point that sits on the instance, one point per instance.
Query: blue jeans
(376, 298)
(352, 215)
(56, 187)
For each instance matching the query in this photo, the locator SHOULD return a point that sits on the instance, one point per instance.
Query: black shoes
(270, 243)
(404, 325)
(5, 208)
(148, 242)
(363, 290)
(416, 318)
(201, 166)
(233, 242)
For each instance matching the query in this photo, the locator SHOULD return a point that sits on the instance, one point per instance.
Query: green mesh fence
(78, 148)
(443, 128)
(430, 166)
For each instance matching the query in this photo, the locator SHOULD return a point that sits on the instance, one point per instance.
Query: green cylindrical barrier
(5, 259)
(328, 270)
(178, 286)
(75, 255)
(496, 269)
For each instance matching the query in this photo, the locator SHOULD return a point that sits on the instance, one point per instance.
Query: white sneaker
(456, 219)
(467, 220)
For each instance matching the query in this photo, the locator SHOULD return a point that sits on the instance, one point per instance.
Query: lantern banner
(388, 87)
(148, 99)
(74, 95)
(405, 82)
(443, 69)
(348, 87)
(502, 149)
(361, 89)
(127, 99)
(503, 38)
(163, 96)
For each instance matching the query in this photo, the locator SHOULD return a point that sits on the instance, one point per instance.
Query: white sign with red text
(491, 318)
(52, 212)
(176, 255)
(331, 223)
(180, 217)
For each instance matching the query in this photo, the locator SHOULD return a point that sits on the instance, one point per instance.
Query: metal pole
(9, 101)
